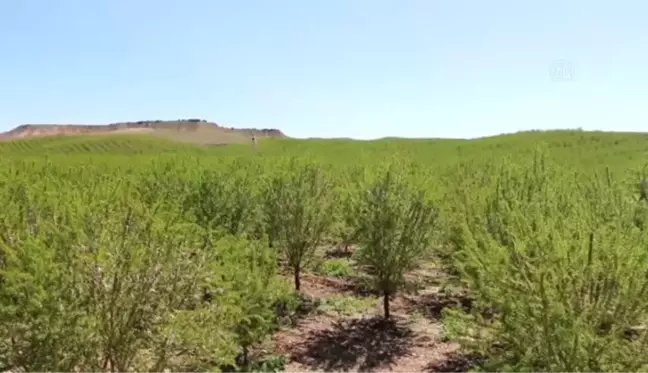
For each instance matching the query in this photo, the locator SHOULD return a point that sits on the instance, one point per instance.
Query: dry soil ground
(344, 330)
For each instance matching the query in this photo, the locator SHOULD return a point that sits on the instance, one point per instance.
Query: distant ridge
(191, 130)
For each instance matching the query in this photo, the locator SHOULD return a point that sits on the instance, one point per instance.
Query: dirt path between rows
(412, 341)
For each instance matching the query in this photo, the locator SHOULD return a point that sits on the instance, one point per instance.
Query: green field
(517, 252)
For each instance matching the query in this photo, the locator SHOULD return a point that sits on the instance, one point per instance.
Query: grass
(336, 268)
(347, 305)
(591, 150)
(126, 144)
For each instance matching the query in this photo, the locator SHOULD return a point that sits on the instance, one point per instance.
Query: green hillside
(580, 148)
(519, 252)
(127, 144)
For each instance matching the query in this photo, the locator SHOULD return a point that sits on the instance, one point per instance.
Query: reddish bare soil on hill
(188, 130)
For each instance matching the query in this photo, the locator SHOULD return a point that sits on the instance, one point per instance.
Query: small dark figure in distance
(643, 190)
(207, 295)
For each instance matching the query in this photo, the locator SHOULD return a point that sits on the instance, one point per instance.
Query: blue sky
(328, 68)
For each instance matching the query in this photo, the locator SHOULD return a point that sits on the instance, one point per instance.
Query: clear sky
(328, 68)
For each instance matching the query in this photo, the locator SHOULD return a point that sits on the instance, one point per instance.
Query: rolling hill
(196, 131)
(590, 149)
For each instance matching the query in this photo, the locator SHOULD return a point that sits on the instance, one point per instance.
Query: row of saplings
(539, 252)
(104, 280)
(114, 284)
(390, 219)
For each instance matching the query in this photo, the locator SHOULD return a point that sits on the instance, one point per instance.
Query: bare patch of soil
(454, 362)
(363, 343)
(339, 252)
(431, 302)
(329, 342)
(203, 131)
(321, 286)
(367, 344)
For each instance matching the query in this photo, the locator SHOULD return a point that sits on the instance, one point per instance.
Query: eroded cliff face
(182, 125)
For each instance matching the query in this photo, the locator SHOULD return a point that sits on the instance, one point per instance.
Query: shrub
(561, 269)
(396, 223)
(349, 206)
(254, 288)
(299, 211)
(98, 278)
(226, 199)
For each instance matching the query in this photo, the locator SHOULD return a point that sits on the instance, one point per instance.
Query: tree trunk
(386, 304)
(245, 356)
(296, 271)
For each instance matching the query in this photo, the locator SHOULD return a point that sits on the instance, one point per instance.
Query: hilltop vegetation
(121, 144)
(517, 252)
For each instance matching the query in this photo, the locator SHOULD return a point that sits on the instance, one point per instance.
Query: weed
(346, 305)
(336, 268)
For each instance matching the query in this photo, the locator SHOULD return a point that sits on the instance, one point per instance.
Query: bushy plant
(559, 272)
(227, 199)
(395, 230)
(349, 206)
(298, 207)
(254, 288)
(106, 278)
